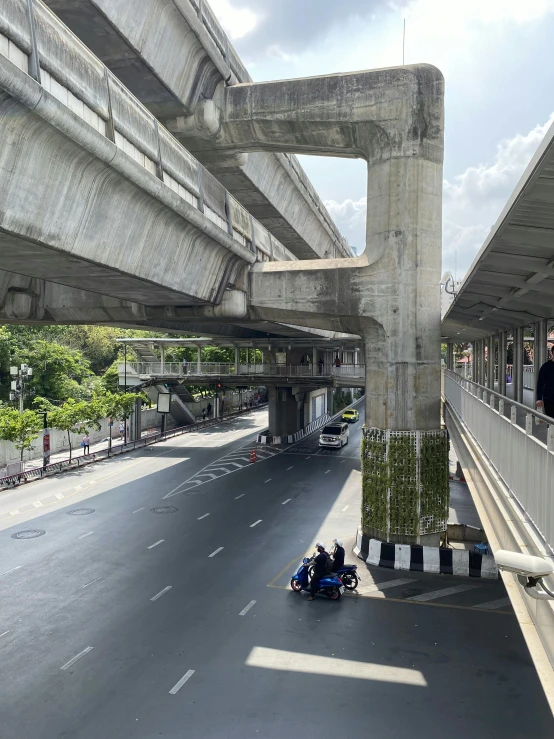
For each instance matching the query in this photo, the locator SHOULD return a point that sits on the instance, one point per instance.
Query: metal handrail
(504, 398)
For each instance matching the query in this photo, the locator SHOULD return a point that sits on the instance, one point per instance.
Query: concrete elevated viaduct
(173, 56)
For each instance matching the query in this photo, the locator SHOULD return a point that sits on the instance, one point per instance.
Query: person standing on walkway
(545, 387)
(320, 365)
(185, 365)
(203, 414)
(86, 444)
(209, 410)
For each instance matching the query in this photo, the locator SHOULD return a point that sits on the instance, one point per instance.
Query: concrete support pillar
(315, 360)
(518, 364)
(490, 362)
(450, 364)
(135, 421)
(481, 361)
(502, 361)
(283, 411)
(199, 357)
(474, 361)
(329, 406)
(540, 350)
(237, 359)
(162, 356)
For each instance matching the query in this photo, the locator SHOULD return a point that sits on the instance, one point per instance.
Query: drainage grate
(28, 534)
(164, 509)
(80, 512)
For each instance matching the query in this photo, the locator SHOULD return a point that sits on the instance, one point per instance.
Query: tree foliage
(74, 416)
(19, 428)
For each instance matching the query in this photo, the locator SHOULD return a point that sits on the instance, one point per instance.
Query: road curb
(438, 560)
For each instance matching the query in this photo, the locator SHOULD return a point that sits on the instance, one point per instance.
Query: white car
(334, 435)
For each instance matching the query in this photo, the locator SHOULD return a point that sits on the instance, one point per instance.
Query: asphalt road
(124, 622)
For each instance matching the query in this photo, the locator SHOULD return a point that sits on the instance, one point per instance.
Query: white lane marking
(345, 507)
(90, 583)
(161, 592)
(247, 608)
(139, 509)
(493, 604)
(268, 480)
(343, 461)
(38, 504)
(443, 593)
(59, 496)
(77, 657)
(78, 487)
(172, 492)
(83, 535)
(201, 517)
(240, 496)
(290, 468)
(14, 513)
(216, 552)
(156, 544)
(255, 523)
(378, 586)
(181, 682)
(327, 472)
(13, 569)
(307, 457)
(4, 634)
(288, 500)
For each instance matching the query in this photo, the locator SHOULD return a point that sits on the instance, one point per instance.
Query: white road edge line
(83, 535)
(240, 496)
(13, 569)
(90, 583)
(161, 593)
(288, 500)
(345, 507)
(255, 523)
(156, 544)
(77, 657)
(139, 509)
(247, 608)
(201, 517)
(216, 552)
(182, 681)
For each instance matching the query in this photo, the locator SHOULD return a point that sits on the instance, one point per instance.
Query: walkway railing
(465, 368)
(524, 462)
(176, 369)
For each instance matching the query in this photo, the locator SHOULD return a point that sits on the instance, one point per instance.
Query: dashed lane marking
(216, 552)
(327, 472)
(201, 517)
(76, 658)
(38, 504)
(268, 479)
(139, 509)
(240, 496)
(247, 608)
(84, 535)
(158, 595)
(4, 634)
(288, 500)
(7, 572)
(156, 544)
(290, 468)
(255, 523)
(91, 582)
(14, 513)
(345, 508)
(492, 605)
(182, 681)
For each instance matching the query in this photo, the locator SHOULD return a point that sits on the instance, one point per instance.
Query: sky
(497, 59)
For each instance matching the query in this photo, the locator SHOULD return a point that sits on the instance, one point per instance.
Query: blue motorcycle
(330, 585)
(348, 576)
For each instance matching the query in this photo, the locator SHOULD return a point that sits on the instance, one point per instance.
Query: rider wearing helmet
(320, 562)
(338, 556)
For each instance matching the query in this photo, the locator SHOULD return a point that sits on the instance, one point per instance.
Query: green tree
(54, 367)
(74, 416)
(19, 428)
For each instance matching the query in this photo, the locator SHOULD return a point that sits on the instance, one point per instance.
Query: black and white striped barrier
(439, 560)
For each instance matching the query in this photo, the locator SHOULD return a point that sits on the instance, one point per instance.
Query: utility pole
(19, 376)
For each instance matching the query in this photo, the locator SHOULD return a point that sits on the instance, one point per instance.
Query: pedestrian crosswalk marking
(231, 462)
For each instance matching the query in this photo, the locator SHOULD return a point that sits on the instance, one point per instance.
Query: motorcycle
(347, 574)
(330, 585)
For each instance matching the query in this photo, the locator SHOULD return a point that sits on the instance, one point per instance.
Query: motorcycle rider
(338, 556)
(320, 563)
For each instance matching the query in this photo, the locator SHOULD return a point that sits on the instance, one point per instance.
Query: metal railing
(176, 369)
(506, 432)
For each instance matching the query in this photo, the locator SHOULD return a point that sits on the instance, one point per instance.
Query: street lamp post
(19, 377)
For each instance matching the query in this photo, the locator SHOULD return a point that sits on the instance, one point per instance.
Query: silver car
(334, 435)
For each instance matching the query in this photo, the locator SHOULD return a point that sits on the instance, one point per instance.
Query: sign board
(164, 401)
(46, 448)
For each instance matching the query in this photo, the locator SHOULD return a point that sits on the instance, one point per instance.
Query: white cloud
(237, 22)
(439, 12)
(474, 199)
(276, 52)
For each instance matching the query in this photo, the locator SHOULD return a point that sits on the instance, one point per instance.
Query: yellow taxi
(350, 415)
